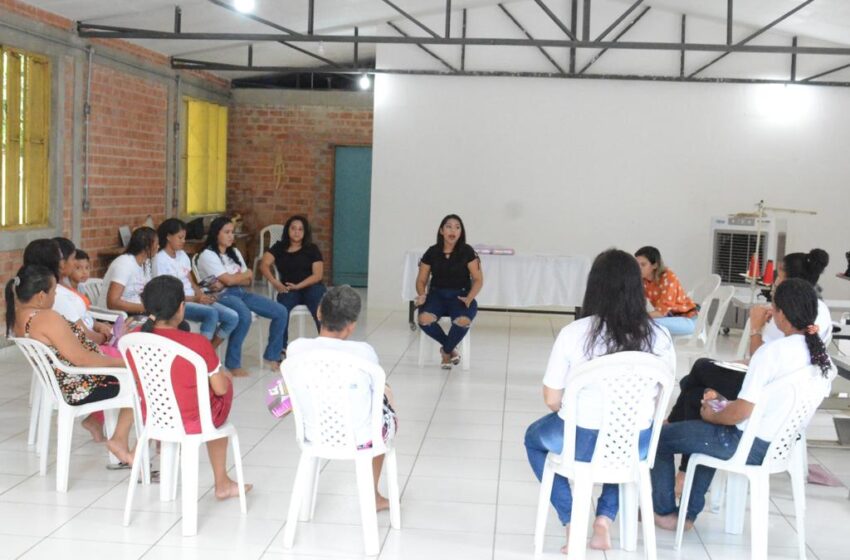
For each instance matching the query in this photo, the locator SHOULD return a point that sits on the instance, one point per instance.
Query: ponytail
(797, 300)
(149, 324)
(27, 282)
(161, 298)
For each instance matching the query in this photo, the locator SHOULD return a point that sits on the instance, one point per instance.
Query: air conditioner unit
(734, 242)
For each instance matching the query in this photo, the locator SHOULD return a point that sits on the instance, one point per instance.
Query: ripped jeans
(444, 302)
(694, 436)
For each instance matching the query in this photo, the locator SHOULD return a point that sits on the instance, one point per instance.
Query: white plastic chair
(628, 380)
(801, 393)
(427, 345)
(325, 430)
(704, 340)
(92, 289)
(254, 317)
(274, 232)
(153, 357)
(300, 312)
(43, 362)
(705, 287)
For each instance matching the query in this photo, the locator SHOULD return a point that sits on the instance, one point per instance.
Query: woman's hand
(280, 287)
(759, 317)
(290, 287)
(707, 413)
(710, 394)
(420, 299)
(216, 286)
(205, 299)
(102, 328)
(467, 300)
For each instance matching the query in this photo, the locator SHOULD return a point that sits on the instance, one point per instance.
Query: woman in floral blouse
(672, 308)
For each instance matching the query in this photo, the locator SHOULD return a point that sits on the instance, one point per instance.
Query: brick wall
(302, 138)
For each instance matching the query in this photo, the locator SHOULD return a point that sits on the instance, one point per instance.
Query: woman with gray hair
(338, 312)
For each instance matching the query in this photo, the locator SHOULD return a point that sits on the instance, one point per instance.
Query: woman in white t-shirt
(615, 320)
(222, 267)
(217, 321)
(127, 275)
(717, 434)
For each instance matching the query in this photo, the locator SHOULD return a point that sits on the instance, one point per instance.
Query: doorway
(352, 206)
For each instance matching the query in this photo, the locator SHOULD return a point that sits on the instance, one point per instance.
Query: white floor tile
(418, 544)
(13, 546)
(50, 549)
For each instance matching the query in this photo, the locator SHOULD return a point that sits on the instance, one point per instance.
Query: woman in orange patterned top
(673, 309)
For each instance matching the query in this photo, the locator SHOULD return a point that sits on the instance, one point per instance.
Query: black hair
(653, 255)
(461, 241)
(614, 297)
(141, 242)
(308, 233)
(340, 306)
(161, 298)
(44, 252)
(807, 266)
(66, 247)
(171, 226)
(797, 300)
(81, 255)
(29, 281)
(212, 239)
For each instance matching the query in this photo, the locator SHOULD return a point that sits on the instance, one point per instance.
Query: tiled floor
(467, 491)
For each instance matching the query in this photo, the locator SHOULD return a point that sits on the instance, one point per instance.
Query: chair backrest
(704, 288)
(91, 288)
(627, 381)
(273, 232)
(723, 295)
(272, 294)
(42, 359)
(197, 274)
(798, 395)
(153, 356)
(323, 380)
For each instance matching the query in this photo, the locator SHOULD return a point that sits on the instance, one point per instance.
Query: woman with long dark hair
(163, 298)
(30, 296)
(128, 274)
(454, 270)
(222, 263)
(718, 433)
(672, 308)
(614, 320)
(217, 321)
(300, 269)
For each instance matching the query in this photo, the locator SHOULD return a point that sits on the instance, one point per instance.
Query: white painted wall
(574, 167)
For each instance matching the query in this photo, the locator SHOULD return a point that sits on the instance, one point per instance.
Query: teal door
(352, 203)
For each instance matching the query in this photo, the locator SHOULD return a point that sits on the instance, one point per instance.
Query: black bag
(195, 229)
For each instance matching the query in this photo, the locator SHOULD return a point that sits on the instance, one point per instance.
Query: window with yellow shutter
(24, 135)
(205, 157)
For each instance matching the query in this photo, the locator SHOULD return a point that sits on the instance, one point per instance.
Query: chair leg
(628, 516)
(465, 346)
(648, 514)
(189, 487)
(759, 496)
(168, 469)
(736, 503)
(391, 465)
(298, 490)
(717, 491)
(423, 347)
(35, 386)
(301, 327)
(310, 487)
(44, 432)
(546, 483)
(582, 490)
(240, 476)
(138, 459)
(683, 503)
(64, 434)
(35, 410)
(368, 513)
(110, 420)
(798, 489)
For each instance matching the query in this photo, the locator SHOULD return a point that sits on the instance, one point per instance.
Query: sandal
(455, 357)
(445, 360)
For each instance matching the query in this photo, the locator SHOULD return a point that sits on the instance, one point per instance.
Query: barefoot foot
(240, 372)
(381, 503)
(120, 450)
(565, 548)
(601, 539)
(670, 522)
(95, 428)
(230, 490)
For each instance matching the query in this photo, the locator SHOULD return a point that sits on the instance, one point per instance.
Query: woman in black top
(299, 269)
(455, 272)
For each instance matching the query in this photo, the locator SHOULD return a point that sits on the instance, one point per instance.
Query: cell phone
(717, 404)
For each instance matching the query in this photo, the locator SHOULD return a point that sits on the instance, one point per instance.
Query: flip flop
(118, 466)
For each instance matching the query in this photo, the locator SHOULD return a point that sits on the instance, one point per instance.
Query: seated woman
(455, 273)
(673, 309)
(222, 263)
(727, 379)
(217, 321)
(127, 275)
(163, 298)
(717, 434)
(338, 314)
(30, 297)
(615, 320)
(299, 268)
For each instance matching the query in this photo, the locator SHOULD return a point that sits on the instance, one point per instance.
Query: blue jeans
(678, 326)
(694, 436)
(547, 435)
(443, 302)
(210, 316)
(243, 303)
(310, 296)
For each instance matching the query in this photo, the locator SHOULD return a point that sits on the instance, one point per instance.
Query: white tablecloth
(518, 280)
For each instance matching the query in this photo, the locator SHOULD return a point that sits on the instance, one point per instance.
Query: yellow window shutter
(205, 159)
(13, 72)
(36, 136)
